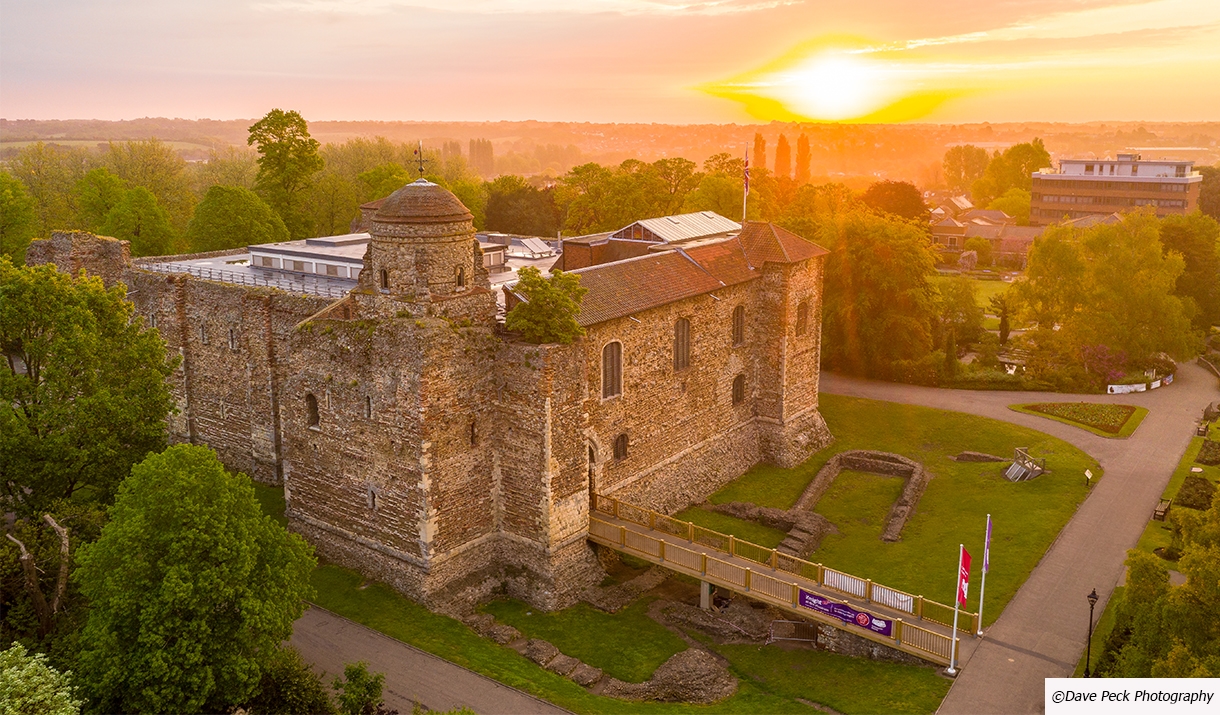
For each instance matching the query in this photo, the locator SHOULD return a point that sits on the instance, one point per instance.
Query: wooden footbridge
(902, 621)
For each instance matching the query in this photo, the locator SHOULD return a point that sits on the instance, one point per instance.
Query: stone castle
(425, 446)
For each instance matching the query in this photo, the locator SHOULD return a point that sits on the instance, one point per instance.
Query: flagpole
(745, 193)
(986, 564)
(957, 584)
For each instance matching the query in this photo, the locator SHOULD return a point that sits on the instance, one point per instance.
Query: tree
(1015, 202)
(547, 313)
(1209, 191)
(898, 198)
(803, 158)
(139, 219)
(1197, 238)
(959, 309)
(783, 158)
(514, 206)
(286, 165)
(49, 172)
(231, 166)
(1012, 169)
(718, 193)
(1001, 307)
(191, 589)
(29, 686)
(95, 195)
(964, 165)
(879, 303)
(760, 151)
(17, 219)
(981, 248)
(289, 687)
(949, 369)
(383, 180)
(154, 165)
(232, 217)
(82, 392)
(359, 691)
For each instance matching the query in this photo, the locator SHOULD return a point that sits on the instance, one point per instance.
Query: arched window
(311, 409)
(739, 389)
(232, 339)
(802, 317)
(460, 276)
(620, 447)
(681, 344)
(385, 279)
(612, 370)
(152, 320)
(474, 433)
(739, 325)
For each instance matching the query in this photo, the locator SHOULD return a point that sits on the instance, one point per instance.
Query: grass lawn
(1104, 420)
(858, 503)
(983, 290)
(628, 645)
(1027, 516)
(742, 529)
(846, 684)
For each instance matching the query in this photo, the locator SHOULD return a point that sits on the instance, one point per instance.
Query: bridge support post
(705, 595)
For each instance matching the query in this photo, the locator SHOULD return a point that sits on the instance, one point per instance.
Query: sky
(669, 61)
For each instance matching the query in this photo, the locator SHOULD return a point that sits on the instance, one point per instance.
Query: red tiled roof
(766, 242)
(724, 260)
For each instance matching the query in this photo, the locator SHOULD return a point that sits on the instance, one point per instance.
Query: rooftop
(683, 227)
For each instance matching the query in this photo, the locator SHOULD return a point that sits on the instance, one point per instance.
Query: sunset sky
(678, 61)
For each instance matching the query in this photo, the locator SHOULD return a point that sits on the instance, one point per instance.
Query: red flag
(963, 577)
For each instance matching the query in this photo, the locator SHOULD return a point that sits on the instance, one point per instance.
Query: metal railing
(824, 576)
(301, 284)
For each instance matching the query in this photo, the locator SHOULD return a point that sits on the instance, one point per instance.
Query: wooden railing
(767, 581)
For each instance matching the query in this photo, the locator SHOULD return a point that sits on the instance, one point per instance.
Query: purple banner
(846, 613)
(987, 547)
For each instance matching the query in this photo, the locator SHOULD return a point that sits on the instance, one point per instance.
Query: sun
(835, 86)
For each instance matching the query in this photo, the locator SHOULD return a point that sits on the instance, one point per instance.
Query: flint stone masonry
(422, 445)
(885, 463)
(805, 528)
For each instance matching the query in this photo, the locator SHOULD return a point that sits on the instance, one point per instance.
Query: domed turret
(423, 243)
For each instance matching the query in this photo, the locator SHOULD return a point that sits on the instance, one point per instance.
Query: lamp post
(1088, 648)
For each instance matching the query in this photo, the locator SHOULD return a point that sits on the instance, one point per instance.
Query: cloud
(528, 7)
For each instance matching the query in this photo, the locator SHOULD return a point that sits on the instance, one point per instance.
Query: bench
(1162, 509)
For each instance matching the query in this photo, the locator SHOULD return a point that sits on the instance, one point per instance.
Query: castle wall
(72, 251)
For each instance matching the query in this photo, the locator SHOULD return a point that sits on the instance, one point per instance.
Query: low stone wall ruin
(884, 463)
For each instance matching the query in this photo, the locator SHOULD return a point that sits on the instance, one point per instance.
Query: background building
(1086, 187)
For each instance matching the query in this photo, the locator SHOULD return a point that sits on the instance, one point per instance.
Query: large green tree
(95, 195)
(138, 218)
(82, 387)
(49, 172)
(548, 308)
(155, 166)
(191, 587)
(1197, 238)
(516, 206)
(1209, 191)
(879, 302)
(288, 160)
(898, 198)
(964, 165)
(18, 222)
(1012, 169)
(1015, 202)
(29, 686)
(231, 217)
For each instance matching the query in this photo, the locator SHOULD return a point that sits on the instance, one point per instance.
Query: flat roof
(238, 268)
(346, 248)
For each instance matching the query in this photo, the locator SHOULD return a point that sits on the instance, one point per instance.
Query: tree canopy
(547, 313)
(1197, 238)
(138, 218)
(963, 165)
(515, 206)
(82, 391)
(191, 589)
(29, 686)
(18, 222)
(286, 165)
(898, 198)
(231, 217)
(1012, 169)
(95, 195)
(1015, 202)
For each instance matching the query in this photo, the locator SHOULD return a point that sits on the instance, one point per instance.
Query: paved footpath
(1042, 632)
(327, 641)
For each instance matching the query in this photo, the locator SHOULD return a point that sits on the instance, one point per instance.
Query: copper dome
(421, 201)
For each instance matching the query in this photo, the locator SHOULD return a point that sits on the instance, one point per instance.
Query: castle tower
(423, 246)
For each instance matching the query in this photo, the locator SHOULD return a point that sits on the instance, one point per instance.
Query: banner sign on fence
(847, 614)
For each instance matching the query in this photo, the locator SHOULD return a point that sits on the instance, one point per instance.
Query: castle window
(739, 389)
(152, 320)
(802, 317)
(460, 276)
(311, 409)
(232, 339)
(368, 407)
(385, 280)
(739, 325)
(681, 344)
(203, 334)
(372, 495)
(620, 447)
(474, 434)
(612, 370)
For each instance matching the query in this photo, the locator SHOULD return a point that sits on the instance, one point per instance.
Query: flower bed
(1106, 418)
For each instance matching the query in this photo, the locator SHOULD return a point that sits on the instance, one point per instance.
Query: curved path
(1042, 632)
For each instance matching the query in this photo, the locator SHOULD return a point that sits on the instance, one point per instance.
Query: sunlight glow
(837, 86)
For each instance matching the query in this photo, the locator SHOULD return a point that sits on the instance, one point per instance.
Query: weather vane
(419, 152)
